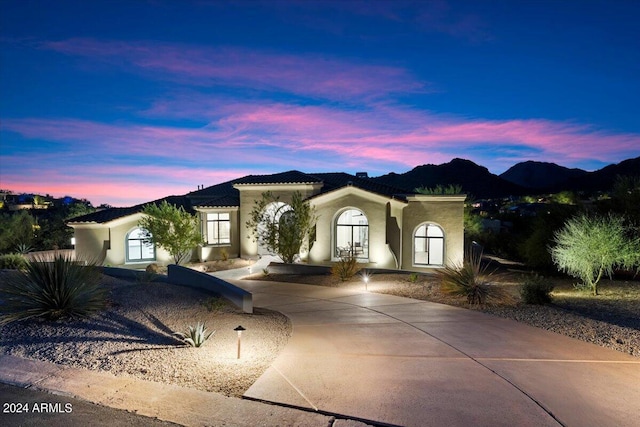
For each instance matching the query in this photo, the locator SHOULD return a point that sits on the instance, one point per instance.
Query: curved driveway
(398, 361)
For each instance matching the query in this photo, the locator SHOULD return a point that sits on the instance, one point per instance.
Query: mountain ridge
(523, 178)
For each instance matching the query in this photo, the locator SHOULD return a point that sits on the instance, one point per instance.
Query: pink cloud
(147, 162)
(308, 75)
(116, 185)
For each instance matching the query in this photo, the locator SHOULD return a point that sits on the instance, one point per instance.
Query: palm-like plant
(52, 289)
(472, 280)
(196, 335)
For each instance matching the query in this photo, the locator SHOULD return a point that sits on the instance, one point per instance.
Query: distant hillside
(603, 179)
(541, 175)
(474, 179)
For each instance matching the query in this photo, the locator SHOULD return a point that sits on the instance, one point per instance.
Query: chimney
(362, 175)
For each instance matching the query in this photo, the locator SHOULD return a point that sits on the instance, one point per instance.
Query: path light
(365, 278)
(239, 329)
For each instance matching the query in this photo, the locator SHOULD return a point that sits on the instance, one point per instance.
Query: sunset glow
(129, 102)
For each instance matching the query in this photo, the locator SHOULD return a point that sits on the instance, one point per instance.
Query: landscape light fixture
(239, 329)
(365, 278)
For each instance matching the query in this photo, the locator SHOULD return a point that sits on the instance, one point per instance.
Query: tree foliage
(283, 229)
(589, 247)
(16, 229)
(171, 228)
(440, 189)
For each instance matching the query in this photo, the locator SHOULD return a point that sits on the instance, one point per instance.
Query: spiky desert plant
(196, 335)
(472, 280)
(52, 289)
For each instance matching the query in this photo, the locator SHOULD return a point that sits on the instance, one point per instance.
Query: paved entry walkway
(389, 360)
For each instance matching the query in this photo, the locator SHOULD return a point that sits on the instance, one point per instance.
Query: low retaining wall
(188, 277)
(282, 268)
(126, 273)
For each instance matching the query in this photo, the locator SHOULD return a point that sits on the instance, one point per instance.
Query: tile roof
(335, 180)
(289, 177)
(106, 215)
(226, 195)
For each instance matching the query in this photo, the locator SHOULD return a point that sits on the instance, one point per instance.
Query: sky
(126, 101)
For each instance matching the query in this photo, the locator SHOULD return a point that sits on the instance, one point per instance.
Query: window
(138, 247)
(218, 228)
(352, 234)
(428, 245)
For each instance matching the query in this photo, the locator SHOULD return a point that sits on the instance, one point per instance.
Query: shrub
(52, 290)
(13, 262)
(471, 280)
(345, 268)
(195, 336)
(152, 268)
(214, 303)
(413, 277)
(535, 289)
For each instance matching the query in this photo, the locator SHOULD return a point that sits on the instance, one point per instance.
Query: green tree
(533, 249)
(53, 231)
(172, 229)
(283, 229)
(16, 229)
(589, 247)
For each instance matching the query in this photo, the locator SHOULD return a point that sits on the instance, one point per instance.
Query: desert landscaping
(135, 336)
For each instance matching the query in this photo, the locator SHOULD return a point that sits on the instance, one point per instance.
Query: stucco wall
(92, 242)
(215, 252)
(248, 197)
(328, 208)
(107, 242)
(448, 213)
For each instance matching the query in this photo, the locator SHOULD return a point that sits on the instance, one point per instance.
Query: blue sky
(122, 102)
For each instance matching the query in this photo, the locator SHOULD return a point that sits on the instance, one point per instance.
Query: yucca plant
(52, 289)
(471, 280)
(196, 335)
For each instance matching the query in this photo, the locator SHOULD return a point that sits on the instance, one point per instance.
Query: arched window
(428, 245)
(352, 234)
(139, 248)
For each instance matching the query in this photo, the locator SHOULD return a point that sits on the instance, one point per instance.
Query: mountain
(603, 179)
(549, 177)
(541, 175)
(522, 178)
(474, 179)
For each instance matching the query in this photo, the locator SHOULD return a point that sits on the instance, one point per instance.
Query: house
(382, 226)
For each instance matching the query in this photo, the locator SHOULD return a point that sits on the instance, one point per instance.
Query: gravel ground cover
(135, 337)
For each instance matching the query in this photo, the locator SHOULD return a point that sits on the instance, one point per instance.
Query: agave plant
(471, 280)
(52, 289)
(196, 335)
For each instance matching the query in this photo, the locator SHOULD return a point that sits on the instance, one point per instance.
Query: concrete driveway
(388, 360)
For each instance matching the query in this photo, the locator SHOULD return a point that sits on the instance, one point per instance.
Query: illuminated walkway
(386, 359)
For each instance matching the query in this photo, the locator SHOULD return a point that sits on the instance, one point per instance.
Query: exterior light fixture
(365, 278)
(239, 329)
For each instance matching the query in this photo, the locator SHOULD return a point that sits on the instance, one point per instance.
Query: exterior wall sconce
(239, 329)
